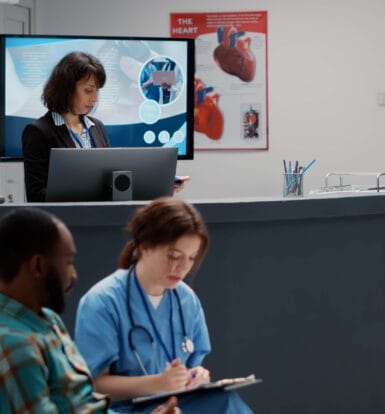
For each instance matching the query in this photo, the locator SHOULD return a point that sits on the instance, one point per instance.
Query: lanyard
(86, 143)
(157, 333)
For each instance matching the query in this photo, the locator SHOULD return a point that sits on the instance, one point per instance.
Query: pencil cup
(292, 185)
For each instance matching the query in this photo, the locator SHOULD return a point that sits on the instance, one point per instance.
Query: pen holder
(292, 184)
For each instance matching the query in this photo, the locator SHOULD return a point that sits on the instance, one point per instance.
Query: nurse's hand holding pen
(198, 376)
(175, 376)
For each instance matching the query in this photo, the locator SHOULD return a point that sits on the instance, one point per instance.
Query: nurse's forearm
(122, 388)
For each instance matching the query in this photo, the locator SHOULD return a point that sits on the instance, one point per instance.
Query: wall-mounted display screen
(134, 115)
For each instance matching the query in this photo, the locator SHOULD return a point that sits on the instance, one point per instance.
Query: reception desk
(293, 289)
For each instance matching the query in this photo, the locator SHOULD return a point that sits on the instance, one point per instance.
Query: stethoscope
(187, 344)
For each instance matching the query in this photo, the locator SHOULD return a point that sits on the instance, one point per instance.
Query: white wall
(326, 66)
(12, 182)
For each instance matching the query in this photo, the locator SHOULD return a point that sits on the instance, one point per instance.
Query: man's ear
(37, 265)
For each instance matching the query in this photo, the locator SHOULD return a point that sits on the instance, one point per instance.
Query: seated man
(41, 370)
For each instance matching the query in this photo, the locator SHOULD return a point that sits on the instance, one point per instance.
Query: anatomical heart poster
(230, 81)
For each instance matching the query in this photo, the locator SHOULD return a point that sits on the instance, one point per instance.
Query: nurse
(142, 329)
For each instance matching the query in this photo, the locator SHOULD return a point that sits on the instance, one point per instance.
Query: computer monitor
(87, 174)
(133, 118)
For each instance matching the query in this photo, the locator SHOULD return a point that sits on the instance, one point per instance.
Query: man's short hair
(25, 232)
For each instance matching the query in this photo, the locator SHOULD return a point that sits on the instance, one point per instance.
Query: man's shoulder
(11, 334)
(11, 327)
(24, 333)
(19, 345)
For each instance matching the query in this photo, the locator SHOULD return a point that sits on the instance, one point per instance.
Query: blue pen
(220, 34)
(307, 166)
(289, 172)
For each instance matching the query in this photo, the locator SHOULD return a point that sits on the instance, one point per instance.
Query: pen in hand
(198, 376)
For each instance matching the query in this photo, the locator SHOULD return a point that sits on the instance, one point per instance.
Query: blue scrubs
(103, 327)
(151, 91)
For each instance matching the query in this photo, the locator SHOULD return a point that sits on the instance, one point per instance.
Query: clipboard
(227, 384)
(161, 77)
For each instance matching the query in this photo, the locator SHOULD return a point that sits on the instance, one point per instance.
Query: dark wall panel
(293, 292)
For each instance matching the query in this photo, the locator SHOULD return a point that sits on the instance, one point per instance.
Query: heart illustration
(208, 118)
(233, 54)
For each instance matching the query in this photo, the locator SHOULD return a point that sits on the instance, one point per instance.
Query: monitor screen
(88, 174)
(134, 116)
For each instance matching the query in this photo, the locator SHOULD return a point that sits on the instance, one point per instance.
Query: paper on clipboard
(163, 77)
(226, 384)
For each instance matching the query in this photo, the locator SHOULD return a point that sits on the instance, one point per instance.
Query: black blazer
(38, 139)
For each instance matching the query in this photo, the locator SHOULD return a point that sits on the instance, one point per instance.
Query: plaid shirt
(41, 371)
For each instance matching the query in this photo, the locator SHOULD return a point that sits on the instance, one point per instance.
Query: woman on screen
(70, 94)
(142, 330)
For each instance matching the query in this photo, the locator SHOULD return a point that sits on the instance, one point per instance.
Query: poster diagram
(230, 102)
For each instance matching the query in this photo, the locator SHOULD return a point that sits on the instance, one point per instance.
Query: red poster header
(194, 24)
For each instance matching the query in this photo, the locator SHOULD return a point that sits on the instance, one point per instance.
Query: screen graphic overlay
(133, 116)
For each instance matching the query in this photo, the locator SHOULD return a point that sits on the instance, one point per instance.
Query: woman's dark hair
(60, 87)
(23, 233)
(162, 222)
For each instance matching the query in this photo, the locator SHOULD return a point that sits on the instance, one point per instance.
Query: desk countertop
(222, 210)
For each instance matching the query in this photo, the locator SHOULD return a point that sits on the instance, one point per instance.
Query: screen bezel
(189, 84)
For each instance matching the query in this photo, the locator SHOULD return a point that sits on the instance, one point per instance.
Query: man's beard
(55, 291)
